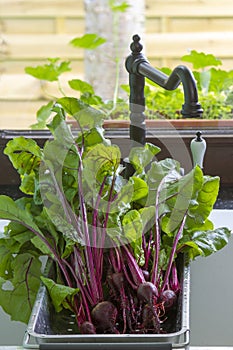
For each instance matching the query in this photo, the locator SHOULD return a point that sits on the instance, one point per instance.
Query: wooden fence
(32, 30)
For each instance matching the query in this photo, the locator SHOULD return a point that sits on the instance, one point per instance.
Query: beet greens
(115, 242)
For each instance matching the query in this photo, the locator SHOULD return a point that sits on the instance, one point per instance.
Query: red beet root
(87, 328)
(146, 292)
(104, 316)
(168, 298)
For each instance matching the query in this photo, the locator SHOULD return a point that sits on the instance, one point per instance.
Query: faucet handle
(198, 149)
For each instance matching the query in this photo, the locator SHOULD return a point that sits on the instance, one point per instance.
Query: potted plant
(116, 243)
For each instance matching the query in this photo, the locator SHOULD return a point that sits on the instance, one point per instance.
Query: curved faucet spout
(181, 74)
(137, 65)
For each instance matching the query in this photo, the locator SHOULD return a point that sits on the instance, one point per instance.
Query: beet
(147, 292)
(87, 328)
(168, 297)
(104, 316)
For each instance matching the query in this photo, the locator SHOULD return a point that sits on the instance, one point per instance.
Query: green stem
(46, 94)
(60, 88)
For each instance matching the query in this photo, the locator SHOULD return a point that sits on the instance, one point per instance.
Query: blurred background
(33, 30)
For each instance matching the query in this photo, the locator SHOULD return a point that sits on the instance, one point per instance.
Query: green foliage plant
(103, 232)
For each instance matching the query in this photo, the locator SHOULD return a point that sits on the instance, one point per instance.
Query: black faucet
(139, 68)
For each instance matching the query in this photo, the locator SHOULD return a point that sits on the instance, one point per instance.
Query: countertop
(190, 348)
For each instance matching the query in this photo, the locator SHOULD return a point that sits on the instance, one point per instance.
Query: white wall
(212, 292)
(11, 332)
